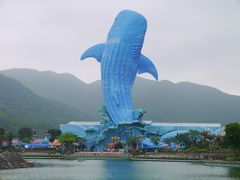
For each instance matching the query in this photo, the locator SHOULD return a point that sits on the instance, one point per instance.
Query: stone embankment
(10, 160)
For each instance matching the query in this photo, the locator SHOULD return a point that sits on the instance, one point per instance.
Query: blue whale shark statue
(121, 59)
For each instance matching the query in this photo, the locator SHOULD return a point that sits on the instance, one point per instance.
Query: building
(90, 131)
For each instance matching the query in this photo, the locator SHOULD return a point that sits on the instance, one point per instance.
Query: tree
(118, 146)
(207, 140)
(220, 141)
(198, 139)
(232, 136)
(194, 137)
(180, 138)
(25, 133)
(191, 138)
(67, 140)
(54, 134)
(2, 131)
(26, 140)
(133, 141)
(9, 137)
(155, 140)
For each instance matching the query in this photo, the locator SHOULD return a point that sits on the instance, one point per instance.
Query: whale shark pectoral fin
(146, 65)
(94, 51)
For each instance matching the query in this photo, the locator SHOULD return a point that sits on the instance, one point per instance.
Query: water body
(121, 169)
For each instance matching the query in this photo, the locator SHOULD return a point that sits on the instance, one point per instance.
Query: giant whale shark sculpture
(121, 59)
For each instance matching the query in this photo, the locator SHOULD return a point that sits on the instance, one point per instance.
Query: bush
(26, 140)
(233, 158)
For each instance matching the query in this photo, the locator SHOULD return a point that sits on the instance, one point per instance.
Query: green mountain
(20, 107)
(64, 88)
(163, 101)
(185, 102)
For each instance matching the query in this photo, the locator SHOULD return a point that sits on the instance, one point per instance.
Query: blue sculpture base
(109, 133)
(119, 134)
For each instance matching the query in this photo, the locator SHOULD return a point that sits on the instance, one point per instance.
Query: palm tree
(155, 140)
(133, 141)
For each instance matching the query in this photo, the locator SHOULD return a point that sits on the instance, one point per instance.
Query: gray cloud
(197, 41)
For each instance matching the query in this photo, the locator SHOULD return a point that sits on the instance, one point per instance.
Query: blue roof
(149, 145)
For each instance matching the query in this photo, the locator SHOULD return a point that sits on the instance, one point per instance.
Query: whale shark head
(128, 26)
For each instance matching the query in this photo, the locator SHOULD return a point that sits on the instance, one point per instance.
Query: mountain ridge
(20, 107)
(164, 101)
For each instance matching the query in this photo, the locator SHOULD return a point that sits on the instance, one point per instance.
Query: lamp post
(63, 148)
(142, 138)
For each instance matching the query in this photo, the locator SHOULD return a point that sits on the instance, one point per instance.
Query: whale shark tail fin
(146, 65)
(95, 51)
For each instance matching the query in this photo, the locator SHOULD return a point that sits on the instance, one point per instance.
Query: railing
(101, 154)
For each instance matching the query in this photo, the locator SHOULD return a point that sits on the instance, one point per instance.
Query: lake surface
(120, 169)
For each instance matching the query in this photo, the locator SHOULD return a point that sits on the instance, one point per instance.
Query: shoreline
(220, 162)
(11, 160)
(206, 162)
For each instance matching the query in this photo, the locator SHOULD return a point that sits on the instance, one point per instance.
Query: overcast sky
(188, 40)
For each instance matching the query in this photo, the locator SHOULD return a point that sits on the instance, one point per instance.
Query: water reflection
(234, 172)
(119, 169)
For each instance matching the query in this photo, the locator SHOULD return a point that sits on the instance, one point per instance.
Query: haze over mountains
(20, 107)
(71, 98)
